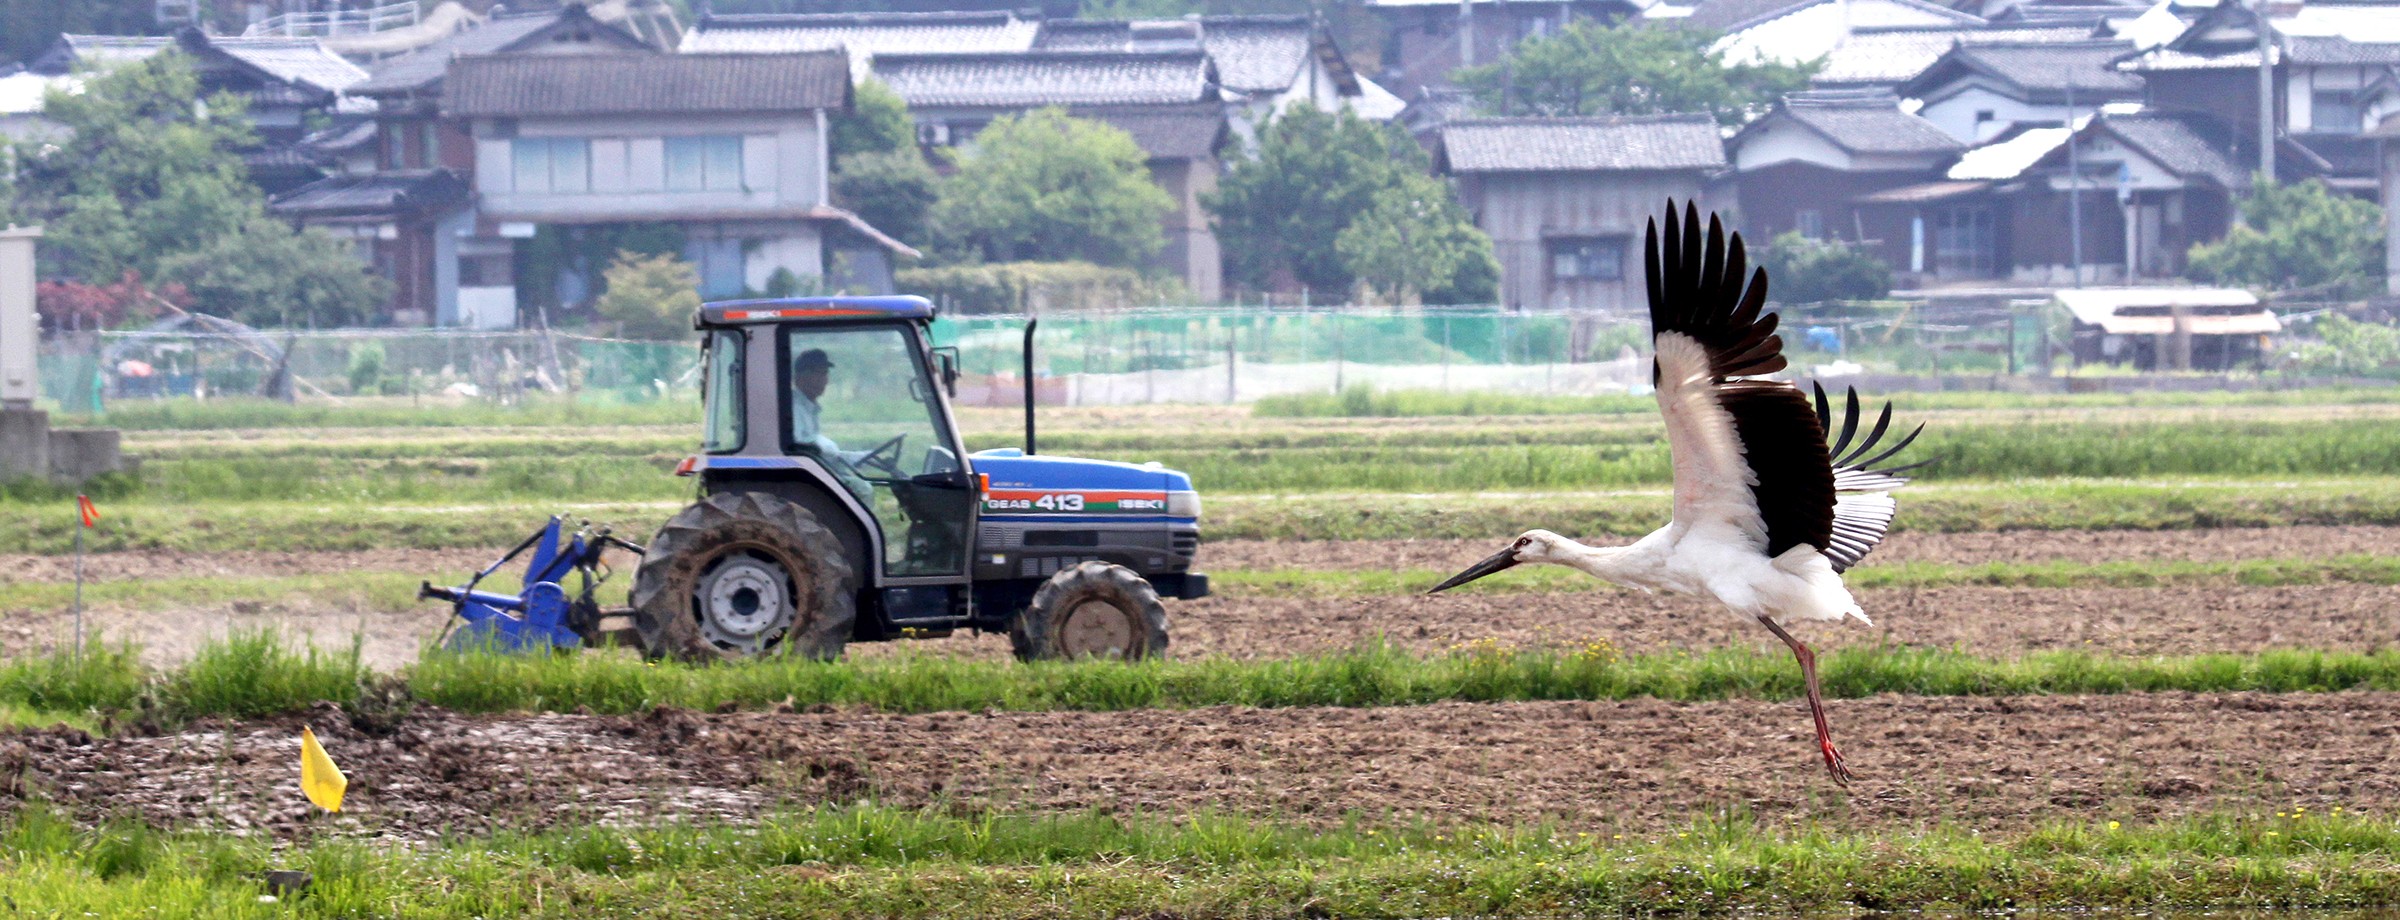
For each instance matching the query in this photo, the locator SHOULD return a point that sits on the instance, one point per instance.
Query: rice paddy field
(2129, 652)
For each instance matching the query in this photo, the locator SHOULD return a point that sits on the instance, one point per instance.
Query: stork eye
(1523, 542)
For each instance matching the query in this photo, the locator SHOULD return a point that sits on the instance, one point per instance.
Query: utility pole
(2266, 92)
(2074, 185)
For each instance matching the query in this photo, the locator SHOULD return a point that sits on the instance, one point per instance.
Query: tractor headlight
(1183, 504)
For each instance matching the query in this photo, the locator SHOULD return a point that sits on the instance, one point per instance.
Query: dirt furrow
(2022, 546)
(1621, 767)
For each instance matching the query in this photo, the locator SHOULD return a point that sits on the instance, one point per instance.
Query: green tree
(651, 296)
(877, 122)
(1282, 210)
(148, 182)
(28, 26)
(1591, 68)
(892, 191)
(1414, 240)
(1805, 270)
(1046, 187)
(265, 274)
(2300, 236)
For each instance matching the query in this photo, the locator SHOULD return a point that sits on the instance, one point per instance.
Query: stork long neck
(1620, 565)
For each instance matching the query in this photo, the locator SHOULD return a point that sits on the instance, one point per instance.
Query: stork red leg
(1816, 703)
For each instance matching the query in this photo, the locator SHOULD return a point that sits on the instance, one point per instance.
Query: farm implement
(837, 505)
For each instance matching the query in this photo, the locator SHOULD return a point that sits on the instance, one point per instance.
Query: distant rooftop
(1894, 56)
(1049, 78)
(512, 85)
(1626, 143)
(864, 34)
(1869, 123)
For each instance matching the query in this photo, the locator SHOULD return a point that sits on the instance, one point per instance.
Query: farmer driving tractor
(811, 372)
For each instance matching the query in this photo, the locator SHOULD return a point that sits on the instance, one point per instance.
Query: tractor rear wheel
(743, 574)
(1094, 610)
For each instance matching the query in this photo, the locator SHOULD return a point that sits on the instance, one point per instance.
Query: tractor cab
(838, 504)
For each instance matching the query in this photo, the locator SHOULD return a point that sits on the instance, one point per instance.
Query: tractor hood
(1046, 487)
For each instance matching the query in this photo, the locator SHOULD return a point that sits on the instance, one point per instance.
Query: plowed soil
(2305, 542)
(1627, 767)
(1987, 621)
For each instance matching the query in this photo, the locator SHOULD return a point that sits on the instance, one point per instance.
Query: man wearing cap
(811, 371)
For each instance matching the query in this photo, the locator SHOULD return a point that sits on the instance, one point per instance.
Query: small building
(1977, 91)
(2166, 328)
(1264, 63)
(1565, 200)
(1885, 58)
(1799, 167)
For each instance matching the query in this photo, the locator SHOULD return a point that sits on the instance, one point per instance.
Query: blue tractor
(838, 505)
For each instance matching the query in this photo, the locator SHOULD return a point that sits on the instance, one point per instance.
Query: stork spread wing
(1751, 454)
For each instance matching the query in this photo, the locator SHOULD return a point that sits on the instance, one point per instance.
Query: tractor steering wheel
(885, 457)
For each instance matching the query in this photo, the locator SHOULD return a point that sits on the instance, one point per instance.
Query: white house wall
(2298, 92)
(1785, 142)
(781, 168)
(1954, 112)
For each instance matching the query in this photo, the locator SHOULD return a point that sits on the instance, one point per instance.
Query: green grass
(2070, 504)
(867, 860)
(397, 591)
(1367, 402)
(254, 675)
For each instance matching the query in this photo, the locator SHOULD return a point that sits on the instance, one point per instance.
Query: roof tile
(624, 84)
(1624, 143)
(1043, 78)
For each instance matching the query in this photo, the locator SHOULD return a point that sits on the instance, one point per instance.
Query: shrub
(1009, 287)
(1805, 270)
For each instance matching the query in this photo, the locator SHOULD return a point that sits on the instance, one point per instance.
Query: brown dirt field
(1633, 766)
(2304, 542)
(1988, 621)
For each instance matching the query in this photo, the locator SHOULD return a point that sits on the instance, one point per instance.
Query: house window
(1587, 258)
(1810, 222)
(395, 146)
(553, 165)
(704, 164)
(486, 271)
(1985, 115)
(719, 263)
(429, 141)
(2336, 110)
(1962, 242)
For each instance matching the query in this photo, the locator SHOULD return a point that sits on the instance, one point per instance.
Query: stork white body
(1767, 514)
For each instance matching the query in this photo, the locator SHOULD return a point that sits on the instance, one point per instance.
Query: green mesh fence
(78, 370)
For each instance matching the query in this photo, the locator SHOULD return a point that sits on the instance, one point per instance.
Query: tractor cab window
(722, 398)
(861, 400)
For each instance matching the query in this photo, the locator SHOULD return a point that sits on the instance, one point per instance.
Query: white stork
(1767, 516)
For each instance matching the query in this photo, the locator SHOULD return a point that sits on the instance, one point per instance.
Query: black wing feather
(1697, 289)
(1859, 526)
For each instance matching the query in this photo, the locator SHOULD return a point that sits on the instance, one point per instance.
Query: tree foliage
(1043, 186)
(1281, 211)
(28, 26)
(1805, 270)
(2300, 236)
(148, 183)
(893, 191)
(877, 122)
(1591, 68)
(2347, 346)
(651, 296)
(1414, 243)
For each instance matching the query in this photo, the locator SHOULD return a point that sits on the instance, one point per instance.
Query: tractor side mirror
(947, 357)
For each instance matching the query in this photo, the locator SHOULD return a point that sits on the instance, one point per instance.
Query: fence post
(1232, 361)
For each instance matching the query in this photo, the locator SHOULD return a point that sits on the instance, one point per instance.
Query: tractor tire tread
(1036, 634)
(666, 579)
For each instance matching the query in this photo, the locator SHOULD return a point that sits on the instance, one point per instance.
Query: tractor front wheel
(744, 574)
(1094, 610)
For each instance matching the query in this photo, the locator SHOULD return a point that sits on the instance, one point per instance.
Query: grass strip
(866, 860)
(2354, 569)
(450, 523)
(393, 592)
(255, 674)
(1368, 402)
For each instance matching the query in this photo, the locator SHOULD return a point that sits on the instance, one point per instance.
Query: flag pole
(78, 656)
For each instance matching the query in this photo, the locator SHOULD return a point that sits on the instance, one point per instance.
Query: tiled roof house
(1798, 167)
(1564, 198)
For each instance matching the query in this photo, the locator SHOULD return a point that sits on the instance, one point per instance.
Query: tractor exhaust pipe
(1029, 324)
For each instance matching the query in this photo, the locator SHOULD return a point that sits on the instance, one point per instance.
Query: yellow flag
(319, 778)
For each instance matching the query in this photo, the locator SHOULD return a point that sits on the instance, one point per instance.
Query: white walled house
(729, 148)
(2326, 60)
(1976, 92)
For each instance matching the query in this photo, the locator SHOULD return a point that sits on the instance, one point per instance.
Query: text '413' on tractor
(837, 505)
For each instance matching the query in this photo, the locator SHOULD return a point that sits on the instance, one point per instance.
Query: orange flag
(90, 512)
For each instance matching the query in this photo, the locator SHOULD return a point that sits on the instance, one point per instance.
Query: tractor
(837, 505)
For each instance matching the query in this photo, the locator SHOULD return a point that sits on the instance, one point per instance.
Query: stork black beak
(1495, 562)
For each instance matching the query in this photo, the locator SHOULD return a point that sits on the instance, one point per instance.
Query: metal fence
(1195, 355)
